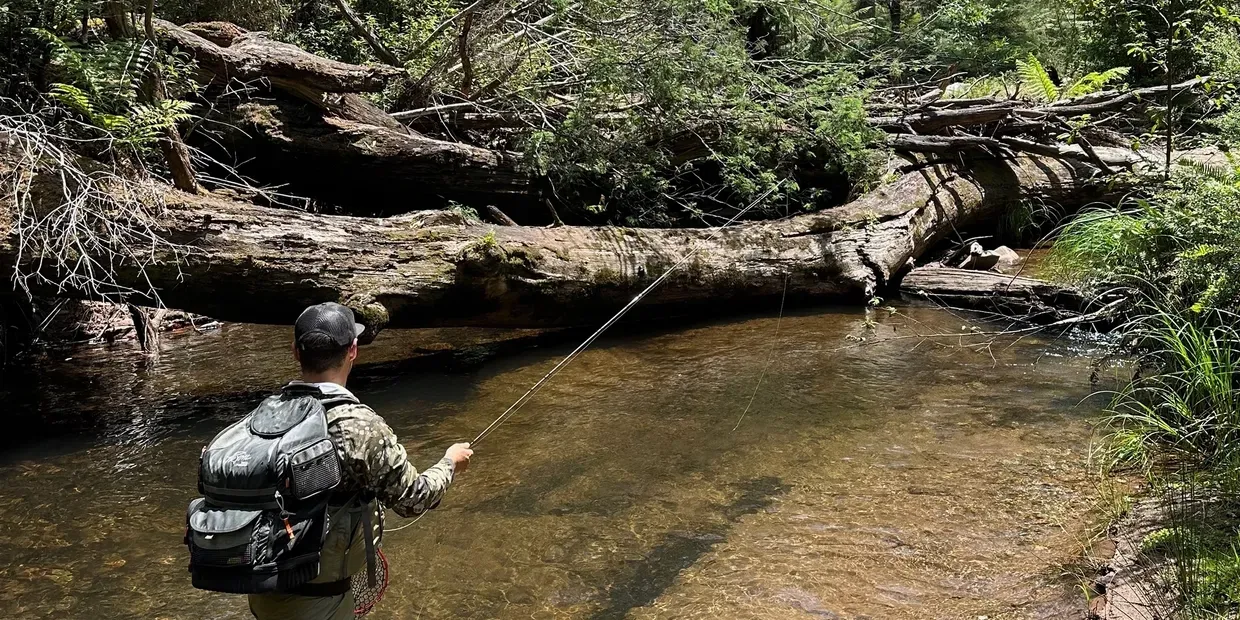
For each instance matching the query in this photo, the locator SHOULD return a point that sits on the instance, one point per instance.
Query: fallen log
(241, 262)
(941, 114)
(313, 131)
(1028, 299)
(363, 168)
(235, 54)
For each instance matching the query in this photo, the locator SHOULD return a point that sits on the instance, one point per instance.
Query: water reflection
(887, 479)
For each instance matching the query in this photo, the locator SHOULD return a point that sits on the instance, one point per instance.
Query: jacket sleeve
(375, 460)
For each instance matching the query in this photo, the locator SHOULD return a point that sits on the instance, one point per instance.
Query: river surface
(878, 474)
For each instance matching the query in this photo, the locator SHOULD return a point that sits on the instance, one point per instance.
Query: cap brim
(358, 328)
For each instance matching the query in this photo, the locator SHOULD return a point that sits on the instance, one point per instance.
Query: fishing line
(770, 357)
(520, 402)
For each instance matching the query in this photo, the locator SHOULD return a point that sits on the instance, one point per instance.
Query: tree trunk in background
(896, 11)
(256, 264)
(116, 17)
(176, 156)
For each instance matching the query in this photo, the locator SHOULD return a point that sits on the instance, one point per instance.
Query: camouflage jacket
(374, 461)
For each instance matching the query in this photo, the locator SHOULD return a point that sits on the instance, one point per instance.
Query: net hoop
(365, 597)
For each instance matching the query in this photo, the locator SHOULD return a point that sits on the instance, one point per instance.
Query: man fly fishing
(293, 492)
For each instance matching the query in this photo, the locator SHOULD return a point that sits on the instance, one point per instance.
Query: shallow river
(887, 478)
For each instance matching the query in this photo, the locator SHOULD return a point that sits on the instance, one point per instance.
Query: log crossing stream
(893, 478)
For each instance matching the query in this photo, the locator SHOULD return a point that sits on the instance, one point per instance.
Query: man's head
(325, 339)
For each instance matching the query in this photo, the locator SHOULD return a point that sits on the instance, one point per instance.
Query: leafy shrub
(1135, 32)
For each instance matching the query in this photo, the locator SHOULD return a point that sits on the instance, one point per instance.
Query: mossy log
(434, 268)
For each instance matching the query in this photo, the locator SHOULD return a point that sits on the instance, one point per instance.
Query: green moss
(488, 256)
(368, 311)
(608, 276)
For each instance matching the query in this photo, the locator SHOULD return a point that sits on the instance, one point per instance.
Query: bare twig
(76, 226)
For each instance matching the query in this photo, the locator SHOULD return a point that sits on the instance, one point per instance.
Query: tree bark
(253, 57)
(255, 264)
(362, 168)
(116, 18)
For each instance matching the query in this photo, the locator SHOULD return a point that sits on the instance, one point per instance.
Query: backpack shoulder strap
(331, 402)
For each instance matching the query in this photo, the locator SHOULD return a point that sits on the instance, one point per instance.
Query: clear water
(895, 477)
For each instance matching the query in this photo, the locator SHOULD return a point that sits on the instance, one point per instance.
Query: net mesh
(364, 596)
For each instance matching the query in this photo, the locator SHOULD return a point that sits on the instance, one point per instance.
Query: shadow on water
(641, 584)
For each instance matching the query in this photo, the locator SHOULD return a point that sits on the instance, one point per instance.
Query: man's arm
(375, 459)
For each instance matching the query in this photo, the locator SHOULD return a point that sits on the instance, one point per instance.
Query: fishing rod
(525, 398)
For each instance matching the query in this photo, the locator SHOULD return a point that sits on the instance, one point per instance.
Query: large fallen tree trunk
(248, 263)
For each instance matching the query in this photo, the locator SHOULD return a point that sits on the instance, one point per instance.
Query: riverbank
(1174, 420)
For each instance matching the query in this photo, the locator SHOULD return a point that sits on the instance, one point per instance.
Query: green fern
(75, 99)
(1035, 79)
(1094, 82)
(1228, 173)
(104, 84)
(148, 122)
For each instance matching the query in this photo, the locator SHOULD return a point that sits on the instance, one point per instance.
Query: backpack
(266, 482)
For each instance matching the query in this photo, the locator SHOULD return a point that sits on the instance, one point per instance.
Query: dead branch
(372, 39)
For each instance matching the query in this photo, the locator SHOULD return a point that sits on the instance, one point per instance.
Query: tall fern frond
(64, 56)
(148, 122)
(163, 114)
(1035, 79)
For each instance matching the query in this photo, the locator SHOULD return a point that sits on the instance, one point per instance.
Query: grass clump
(1175, 253)
(1178, 421)
(1179, 248)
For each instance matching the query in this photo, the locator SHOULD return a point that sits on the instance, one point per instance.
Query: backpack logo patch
(238, 461)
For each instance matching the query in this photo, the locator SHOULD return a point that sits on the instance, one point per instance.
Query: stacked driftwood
(1005, 127)
(302, 116)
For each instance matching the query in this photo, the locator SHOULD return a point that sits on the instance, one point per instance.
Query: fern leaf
(75, 99)
(1094, 82)
(1036, 80)
(149, 121)
(1213, 171)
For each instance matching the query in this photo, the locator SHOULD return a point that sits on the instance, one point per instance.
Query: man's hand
(459, 453)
